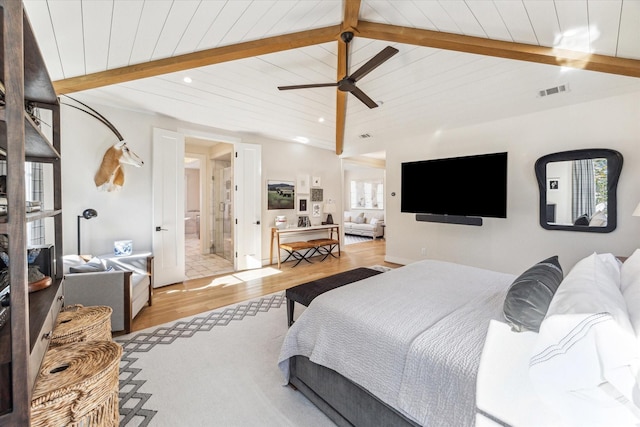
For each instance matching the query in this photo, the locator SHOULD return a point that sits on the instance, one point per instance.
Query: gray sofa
(124, 283)
(363, 224)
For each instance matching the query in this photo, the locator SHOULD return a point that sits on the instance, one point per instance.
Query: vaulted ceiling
(460, 62)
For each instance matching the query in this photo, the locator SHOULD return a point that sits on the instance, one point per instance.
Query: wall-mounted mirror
(578, 190)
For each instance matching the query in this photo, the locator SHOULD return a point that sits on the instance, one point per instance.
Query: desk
(276, 232)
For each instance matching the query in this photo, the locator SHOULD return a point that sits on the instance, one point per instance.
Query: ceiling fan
(348, 83)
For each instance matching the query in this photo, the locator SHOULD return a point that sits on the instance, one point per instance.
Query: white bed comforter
(412, 336)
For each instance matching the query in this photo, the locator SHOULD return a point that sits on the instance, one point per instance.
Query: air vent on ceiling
(365, 135)
(563, 88)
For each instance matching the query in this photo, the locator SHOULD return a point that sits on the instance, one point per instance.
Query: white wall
(514, 243)
(126, 214)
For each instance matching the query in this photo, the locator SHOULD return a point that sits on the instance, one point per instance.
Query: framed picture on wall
(315, 210)
(553, 184)
(303, 184)
(316, 194)
(315, 181)
(281, 194)
(303, 205)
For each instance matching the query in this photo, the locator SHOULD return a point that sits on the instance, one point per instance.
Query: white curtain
(584, 189)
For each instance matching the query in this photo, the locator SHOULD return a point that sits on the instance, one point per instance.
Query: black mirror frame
(614, 167)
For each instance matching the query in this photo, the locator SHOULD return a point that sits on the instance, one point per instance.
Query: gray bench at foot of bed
(306, 292)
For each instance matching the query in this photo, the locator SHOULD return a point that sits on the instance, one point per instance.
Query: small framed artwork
(303, 205)
(553, 184)
(315, 210)
(316, 194)
(315, 181)
(303, 184)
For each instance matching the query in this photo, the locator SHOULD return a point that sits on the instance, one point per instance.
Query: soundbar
(450, 219)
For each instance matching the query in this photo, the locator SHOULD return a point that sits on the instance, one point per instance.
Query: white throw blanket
(412, 336)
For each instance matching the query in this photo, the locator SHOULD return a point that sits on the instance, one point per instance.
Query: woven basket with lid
(78, 386)
(78, 323)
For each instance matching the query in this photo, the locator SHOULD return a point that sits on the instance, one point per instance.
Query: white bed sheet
(412, 336)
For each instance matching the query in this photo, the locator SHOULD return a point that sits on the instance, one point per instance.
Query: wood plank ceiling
(461, 61)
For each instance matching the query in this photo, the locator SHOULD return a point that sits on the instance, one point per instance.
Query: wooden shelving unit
(24, 340)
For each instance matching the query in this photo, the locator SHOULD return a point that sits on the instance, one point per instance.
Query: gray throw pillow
(529, 296)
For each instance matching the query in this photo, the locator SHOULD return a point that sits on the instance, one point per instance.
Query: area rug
(350, 239)
(215, 369)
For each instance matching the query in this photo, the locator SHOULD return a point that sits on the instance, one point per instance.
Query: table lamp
(329, 208)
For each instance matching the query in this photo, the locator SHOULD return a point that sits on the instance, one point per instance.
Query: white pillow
(71, 261)
(586, 358)
(373, 221)
(347, 217)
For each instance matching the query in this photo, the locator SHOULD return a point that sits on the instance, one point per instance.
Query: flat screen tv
(473, 186)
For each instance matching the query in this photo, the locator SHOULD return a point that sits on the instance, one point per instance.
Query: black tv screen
(465, 186)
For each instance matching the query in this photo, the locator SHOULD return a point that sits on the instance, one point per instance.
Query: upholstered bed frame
(344, 402)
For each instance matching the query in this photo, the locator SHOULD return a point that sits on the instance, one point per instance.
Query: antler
(93, 113)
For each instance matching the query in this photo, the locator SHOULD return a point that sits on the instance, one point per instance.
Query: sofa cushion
(373, 221)
(94, 265)
(359, 220)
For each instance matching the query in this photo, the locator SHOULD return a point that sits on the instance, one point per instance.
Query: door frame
(235, 141)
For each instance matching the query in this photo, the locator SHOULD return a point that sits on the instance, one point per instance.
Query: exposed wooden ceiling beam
(500, 49)
(198, 59)
(350, 14)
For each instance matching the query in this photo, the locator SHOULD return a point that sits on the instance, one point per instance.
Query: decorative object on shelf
(3, 195)
(122, 247)
(329, 208)
(281, 221)
(35, 278)
(316, 194)
(280, 194)
(86, 214)
(303, 221)
(33, 112)
(315, 181)
(110, 175)
(303, 184)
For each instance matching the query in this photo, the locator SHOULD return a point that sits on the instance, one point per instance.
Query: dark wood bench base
(305, 293)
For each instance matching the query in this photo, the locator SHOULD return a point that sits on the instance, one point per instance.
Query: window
(366, 194)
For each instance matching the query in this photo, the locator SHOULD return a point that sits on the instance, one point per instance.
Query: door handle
(257, 222)
(161, 229)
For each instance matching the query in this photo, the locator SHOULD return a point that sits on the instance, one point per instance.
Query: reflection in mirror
(578, 190)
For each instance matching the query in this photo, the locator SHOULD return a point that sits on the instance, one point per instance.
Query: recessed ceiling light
(301, 139)
(187, 80)
(321, 119)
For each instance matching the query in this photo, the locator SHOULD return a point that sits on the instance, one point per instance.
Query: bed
(409, 348)
(387, 324)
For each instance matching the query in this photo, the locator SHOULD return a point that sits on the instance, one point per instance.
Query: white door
(168, 207)
(247, 165)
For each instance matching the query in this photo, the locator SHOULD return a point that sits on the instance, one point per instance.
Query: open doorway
(208, 208)
(364, 198)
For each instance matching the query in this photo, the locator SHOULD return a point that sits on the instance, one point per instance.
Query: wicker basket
(78, 323)
(78, 386)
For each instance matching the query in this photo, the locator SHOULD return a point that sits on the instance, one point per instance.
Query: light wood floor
(199, 295)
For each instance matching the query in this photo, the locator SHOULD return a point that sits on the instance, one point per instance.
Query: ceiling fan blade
(373, 63)
(307, 86)
(364, 98)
